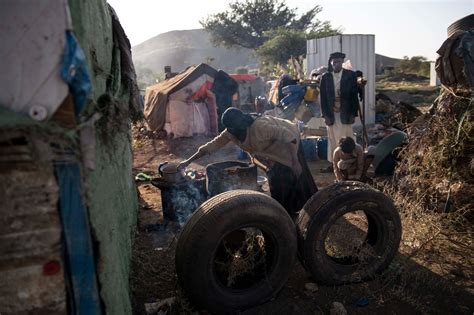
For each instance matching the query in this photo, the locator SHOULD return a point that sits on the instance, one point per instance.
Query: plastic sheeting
(187, 119)
(157, 96)
(75, 72)
(31, 54)
(79, 251)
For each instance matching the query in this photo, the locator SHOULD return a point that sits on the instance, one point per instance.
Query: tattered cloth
(455, 64)
(127, 70)
(157, 96)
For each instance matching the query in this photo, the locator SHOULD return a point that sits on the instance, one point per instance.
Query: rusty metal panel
(30, 232)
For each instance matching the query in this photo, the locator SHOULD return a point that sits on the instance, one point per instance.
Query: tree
(285, 43)
(414, 65)
(248, 24)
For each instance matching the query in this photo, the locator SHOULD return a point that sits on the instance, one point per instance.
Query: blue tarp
(79, 256)
(74, 71)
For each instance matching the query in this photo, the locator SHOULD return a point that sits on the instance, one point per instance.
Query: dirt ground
(423, 279)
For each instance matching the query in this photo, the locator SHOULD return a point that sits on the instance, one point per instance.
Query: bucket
(230, 175)
(310, 148)
(322, 148)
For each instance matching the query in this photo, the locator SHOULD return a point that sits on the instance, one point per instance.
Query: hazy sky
(401, 28)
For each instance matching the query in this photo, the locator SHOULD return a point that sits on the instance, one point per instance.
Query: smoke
(186, 199)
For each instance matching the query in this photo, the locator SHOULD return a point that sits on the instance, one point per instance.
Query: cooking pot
(170, 173)
(230, 175)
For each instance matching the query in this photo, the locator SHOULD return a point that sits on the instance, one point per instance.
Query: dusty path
(408, 287)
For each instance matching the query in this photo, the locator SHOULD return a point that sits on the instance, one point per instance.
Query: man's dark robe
(349, 100)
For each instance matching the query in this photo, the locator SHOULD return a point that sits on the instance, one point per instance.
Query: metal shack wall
(359, 49)
(434, 79)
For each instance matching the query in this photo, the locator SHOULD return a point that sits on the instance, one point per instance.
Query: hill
(180, 49)
(384, 63)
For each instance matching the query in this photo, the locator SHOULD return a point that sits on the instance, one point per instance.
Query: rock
(338, 309)
(160, 307)
(311, 287)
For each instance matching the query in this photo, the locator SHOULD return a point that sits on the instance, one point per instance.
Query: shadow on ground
(409, 286)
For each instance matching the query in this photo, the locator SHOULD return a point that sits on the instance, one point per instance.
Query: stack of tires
(238, 248)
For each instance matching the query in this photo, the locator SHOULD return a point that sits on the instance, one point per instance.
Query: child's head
(347, 144)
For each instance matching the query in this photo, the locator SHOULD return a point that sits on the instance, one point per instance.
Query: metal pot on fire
(170, 173)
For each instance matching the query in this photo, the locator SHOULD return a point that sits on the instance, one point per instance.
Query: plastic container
(322, 148)
(310, 148)
(290, 89)
(311, 94)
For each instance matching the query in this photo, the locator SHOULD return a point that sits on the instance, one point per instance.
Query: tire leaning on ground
(379, 240)
(464, 24)
(235, 251)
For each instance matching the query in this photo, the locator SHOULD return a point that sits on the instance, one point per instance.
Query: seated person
(348, 160)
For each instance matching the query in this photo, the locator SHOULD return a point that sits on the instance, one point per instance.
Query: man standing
(339, 101)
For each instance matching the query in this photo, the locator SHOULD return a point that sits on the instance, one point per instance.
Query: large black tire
(224, 218)
(326, 207)
(464, 24)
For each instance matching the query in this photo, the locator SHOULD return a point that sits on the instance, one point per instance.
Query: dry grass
(435, 167)
(433, 188)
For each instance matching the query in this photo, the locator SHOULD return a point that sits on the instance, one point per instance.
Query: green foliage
(285, 43)
(242, 70)
(290, 67)
(247, 24)
(415, 65)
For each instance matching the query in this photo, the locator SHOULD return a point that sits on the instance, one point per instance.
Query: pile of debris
(437, 165)
(397, 114)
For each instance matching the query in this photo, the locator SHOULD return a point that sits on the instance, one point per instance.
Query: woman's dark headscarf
(237, 122)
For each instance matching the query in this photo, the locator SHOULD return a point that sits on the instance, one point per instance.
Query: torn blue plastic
(84, 298)
(75, 72)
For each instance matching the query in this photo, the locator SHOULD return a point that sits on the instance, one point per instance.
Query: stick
(365, 137)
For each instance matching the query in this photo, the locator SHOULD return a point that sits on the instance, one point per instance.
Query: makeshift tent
(250, 86)
(176, 104)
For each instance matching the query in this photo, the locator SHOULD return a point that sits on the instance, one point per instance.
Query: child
(348, 160)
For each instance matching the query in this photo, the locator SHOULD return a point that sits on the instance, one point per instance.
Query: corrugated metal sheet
(359, 49)
(434, 79)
